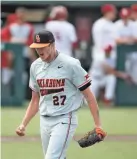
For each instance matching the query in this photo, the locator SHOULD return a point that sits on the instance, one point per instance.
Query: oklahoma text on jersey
(51, 85)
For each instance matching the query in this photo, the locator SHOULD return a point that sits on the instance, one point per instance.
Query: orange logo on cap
(37, 38)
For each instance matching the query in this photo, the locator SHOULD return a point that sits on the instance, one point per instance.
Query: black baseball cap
(42, 39)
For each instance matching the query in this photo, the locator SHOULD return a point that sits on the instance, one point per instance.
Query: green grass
(115, 121)
(106, 150)
(11, 118)
(22, 150)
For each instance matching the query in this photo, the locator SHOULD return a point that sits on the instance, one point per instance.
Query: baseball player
(103, 32)
(58, 84)
(124, 28)
(134, 17)
(106, 78)
(63, 31)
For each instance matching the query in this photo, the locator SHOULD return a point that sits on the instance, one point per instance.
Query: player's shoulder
(131, 23)
(135, 23)
(99, 23)
(29, 25)
(36, 63)
(68, 61)
(118, 22)
(12, 25)
(69, 24)
(51, 24)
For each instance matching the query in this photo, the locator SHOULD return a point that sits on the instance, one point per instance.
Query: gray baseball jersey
(59, 84)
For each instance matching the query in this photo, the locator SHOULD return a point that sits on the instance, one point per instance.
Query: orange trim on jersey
(70, 117)
(84, 83)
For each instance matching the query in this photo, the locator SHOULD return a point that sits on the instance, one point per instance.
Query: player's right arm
(33, 105)
(30, 113)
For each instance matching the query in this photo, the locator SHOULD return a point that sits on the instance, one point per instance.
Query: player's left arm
(82, 81)
(92, 103)
(97, 134)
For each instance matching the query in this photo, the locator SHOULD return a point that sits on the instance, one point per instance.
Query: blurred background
(103, 36)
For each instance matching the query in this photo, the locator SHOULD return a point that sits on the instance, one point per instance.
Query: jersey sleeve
(47, 27)
(32, 81)
(72, 34)
(96, 33)
(81, 79)
(117, 30)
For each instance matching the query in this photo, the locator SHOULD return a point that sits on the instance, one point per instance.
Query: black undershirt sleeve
(85, 86)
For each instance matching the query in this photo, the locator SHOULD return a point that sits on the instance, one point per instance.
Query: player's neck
(125, 22)
(107, 18)
(20, 22)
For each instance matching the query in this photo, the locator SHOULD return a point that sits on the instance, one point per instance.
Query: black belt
(53, 116)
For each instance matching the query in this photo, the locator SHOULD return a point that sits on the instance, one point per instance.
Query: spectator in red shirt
(19, 31)
(7, 56)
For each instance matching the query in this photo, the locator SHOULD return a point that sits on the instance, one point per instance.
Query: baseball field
(120, 124)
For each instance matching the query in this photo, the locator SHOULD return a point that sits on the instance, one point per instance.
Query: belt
(52, 116)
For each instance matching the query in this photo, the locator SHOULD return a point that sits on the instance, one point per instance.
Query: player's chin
(42, 58)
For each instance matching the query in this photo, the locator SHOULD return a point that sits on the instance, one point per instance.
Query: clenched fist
(20, 130)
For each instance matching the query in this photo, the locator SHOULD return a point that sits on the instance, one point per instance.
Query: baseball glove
(92, 137)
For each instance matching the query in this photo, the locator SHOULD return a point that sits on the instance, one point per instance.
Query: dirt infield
(128, 138)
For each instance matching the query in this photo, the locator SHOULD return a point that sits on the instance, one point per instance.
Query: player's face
(20, 15)
(45, 53)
